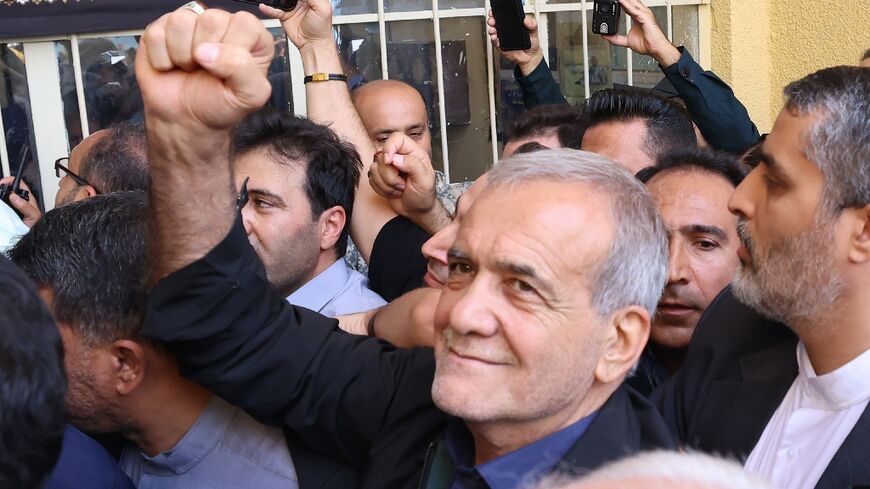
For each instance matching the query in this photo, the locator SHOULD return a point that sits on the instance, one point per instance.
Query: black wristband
(321, 77)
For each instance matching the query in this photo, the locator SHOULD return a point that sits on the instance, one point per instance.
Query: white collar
(837, 390)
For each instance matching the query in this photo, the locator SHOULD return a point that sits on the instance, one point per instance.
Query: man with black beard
(789, 393)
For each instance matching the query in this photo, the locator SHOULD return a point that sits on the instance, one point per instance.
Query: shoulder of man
(85, 464)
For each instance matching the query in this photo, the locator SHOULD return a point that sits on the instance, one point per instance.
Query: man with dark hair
(32, 384)
(789, 394)
(692, 188)
(633, 127)
(301, 185)
(552, 126)
(88, 260)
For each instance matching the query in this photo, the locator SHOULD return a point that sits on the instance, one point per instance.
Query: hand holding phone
(512, 33)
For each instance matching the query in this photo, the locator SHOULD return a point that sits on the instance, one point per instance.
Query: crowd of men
(643, 292)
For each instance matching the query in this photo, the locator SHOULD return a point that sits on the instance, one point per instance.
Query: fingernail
(207, 52)
(400, 186)
(398, 159)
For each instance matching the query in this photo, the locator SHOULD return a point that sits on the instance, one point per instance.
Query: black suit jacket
(738, 370)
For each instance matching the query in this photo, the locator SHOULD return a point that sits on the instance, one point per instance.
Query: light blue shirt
(335, 291)
(224, 449)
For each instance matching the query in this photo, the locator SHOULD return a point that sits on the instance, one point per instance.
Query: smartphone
(605, 17)
(278, 4)
(512, 34)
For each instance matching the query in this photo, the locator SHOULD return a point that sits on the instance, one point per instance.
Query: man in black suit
(536, 329)
(789, 393)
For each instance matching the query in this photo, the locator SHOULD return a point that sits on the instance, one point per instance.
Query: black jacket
(738, 370)
(358, 412)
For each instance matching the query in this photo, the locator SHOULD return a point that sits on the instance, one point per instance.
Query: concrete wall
(759, 46)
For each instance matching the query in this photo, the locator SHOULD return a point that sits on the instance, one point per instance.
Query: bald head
(388, 106)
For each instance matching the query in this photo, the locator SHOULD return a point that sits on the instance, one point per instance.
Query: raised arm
(199, 76)
(309, 28)
(719, 115)
(531, 73)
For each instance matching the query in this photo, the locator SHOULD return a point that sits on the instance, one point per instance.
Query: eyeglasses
(61, 170)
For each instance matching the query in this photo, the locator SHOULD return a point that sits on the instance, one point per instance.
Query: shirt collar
(205, 433)
(525, 465)
(837, 390)
(319, 291)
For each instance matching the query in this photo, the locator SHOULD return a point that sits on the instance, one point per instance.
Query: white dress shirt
(813, 420)
(336, 291)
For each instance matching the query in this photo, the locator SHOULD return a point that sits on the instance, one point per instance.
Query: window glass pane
(685, 31)
(17, 119)
(111, 92)
(69, 98)
(645, 69)
(360, 48)
(279, 73)
(348, 7)
(411, 58)
(406, 5)
(463, 51)
(565, 35)
(460, 4)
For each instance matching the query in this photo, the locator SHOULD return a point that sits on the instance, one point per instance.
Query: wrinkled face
(789, 270)
(550, 140)
(400, 109)
(278, 219)
(622, 142)
(68, 190)
(517, 339)
(436, 248)
(703, 246)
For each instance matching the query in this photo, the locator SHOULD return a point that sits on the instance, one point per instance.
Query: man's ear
(859, 247)
(128, 365)
(625, 340)
(330, 225)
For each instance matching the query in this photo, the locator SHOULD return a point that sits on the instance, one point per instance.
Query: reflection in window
(109, 79)
(359, 46)
(279, 73)
(69, 98)
(463, 46)
(17, 118)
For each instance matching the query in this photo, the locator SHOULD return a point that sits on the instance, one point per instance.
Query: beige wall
(759, 46)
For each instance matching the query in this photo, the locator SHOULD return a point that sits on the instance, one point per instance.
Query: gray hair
(635, 270)
(679, 469)
(839, 141)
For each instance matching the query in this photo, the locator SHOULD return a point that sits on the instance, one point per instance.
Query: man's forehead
(556, 221)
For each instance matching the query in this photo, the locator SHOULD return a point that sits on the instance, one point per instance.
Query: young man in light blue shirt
(301, 180)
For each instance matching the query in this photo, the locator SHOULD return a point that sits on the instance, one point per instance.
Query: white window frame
(48, 112)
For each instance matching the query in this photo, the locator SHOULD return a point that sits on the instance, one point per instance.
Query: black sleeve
(355, 398)
(539, 87)
(397, 265)
(720, 116)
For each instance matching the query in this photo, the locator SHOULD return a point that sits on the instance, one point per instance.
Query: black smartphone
(7, 190)
(278, 4)
(605, 17)
(512, 34)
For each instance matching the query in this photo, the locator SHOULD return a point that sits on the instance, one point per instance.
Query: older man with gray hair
(554, 274)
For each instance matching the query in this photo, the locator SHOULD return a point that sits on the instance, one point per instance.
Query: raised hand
(645, 36)
(527, 59)
(310, 22)
(207, 69)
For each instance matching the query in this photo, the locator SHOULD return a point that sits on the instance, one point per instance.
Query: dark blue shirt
(85, 464)
(516, 469)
